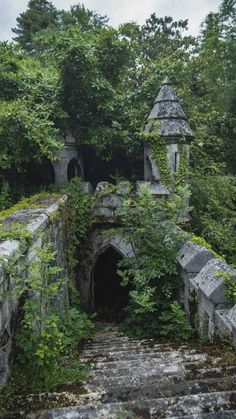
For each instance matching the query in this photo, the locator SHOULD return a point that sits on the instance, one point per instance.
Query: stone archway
(73, 169)
(109, 296)
(86, 275)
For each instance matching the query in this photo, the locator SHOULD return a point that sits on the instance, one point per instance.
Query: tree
(86, 19)
(30, 116)
(39, 15)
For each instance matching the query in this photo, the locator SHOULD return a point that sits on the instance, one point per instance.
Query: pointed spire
(166, 81)
(169, 112)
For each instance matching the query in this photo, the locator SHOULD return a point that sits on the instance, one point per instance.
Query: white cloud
(119, 11)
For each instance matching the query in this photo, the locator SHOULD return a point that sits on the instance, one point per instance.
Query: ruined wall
(203, 292)
(204, 298)
(46, 227)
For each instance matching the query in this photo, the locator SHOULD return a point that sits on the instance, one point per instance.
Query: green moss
(14, 231)
(30, 202)
(202, 242)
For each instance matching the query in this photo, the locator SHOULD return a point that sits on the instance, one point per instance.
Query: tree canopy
(70, 71)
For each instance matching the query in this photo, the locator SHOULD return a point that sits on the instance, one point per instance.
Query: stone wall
(46, 227)
(203, 294)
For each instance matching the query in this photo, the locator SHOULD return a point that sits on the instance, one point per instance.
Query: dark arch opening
(48, 173)
(110, 297)
(73, 169)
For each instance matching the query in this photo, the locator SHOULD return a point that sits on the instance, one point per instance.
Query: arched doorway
(110, 297)
(73, 169)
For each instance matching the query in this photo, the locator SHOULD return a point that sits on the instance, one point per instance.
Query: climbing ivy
(150, 226)
(77, 211)
(48, 333)
(159, 151)
(181, 174)
(159, 154)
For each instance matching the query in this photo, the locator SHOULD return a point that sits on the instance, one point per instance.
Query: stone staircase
(133, 378)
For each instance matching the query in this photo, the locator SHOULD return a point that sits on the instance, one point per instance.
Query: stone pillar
(68, 161)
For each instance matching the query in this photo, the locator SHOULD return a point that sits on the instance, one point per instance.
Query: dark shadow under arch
(73, 169)
(110, 297)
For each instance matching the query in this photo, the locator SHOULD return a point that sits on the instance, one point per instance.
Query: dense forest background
(70, 71)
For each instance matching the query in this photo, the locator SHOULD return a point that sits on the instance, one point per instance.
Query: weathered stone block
(156, 188)
(223, 323)
(88, 188)
(101, 187)
(211, 283)
(111, 201)
(192, 258)
(103, 212)
(123, 188)
(231, 317)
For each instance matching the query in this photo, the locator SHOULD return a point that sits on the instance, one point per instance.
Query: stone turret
(168, 144)
(68, 164)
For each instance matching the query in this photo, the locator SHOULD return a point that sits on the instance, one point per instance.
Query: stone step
(155, 390)
(153, 366)
(175, 373)
(139, 361)
(190, 405)
(226, 414)
(142, 354)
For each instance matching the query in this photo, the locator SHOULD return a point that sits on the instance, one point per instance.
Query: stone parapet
(204, 296)
(46, 227)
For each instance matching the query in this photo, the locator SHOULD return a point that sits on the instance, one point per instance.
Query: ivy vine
(181, 174)
(159, 152)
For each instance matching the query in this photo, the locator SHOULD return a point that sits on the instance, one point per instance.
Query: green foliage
(230, 283)
(48, 333)
(159, 153)
(181, 177)
(174, 323)
(14, 231)
(213, 215)
(150, 226)
(39, 200)
(5, 196)
(202, 242)
(28, 118)
(39, 15)
(76, 326)
(78, 208)
(40, 340)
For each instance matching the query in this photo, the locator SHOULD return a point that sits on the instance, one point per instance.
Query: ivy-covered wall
(165, 155)
(38, 225)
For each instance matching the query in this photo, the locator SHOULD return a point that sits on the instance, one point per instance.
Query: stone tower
(166, 150)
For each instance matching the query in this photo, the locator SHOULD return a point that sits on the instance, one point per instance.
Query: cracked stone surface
(133, 378)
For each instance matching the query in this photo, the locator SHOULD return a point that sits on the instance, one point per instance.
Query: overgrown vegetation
(78, 210)
(50, 331)
(151, 273)
(71, 71)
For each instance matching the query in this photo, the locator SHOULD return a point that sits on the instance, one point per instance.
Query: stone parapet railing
(46, 227)
(205, 302)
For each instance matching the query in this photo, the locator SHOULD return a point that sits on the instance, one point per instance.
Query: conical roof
(168, 111)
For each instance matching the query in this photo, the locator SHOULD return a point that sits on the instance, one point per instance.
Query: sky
(119, 11)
